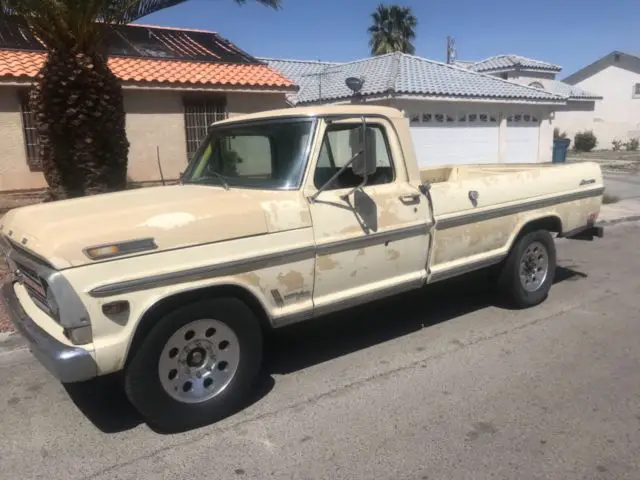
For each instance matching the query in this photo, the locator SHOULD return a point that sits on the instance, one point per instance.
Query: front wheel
(528, 272)
(197, 365)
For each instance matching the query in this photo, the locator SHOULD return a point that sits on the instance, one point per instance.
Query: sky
(570, 33)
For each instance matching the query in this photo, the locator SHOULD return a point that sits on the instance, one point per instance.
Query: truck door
(373, 241)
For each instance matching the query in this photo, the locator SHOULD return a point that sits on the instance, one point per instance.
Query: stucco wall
(617, 115)
(239, 103)
(154, 119)
(14, 172)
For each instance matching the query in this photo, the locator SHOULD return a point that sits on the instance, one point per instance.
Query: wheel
(197, 365)
(527, 274)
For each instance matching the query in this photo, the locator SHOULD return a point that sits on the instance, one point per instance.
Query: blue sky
(571, 33)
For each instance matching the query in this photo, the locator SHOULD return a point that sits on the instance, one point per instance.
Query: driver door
(372, 241)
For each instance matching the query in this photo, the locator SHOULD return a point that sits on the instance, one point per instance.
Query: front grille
(35, 286)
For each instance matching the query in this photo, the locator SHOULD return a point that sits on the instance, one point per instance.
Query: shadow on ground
(297, 347)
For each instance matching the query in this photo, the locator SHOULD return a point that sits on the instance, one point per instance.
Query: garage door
(466, 137)
(523, 132)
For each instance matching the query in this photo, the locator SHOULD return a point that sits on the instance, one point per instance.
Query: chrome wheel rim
(199, 361)
(534, 266)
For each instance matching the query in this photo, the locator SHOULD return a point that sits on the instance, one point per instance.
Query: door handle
(409, 197)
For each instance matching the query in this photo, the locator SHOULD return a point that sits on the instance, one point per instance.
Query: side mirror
(364, 164)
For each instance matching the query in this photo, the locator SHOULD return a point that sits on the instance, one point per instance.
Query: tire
(197, 365)
(534, 253)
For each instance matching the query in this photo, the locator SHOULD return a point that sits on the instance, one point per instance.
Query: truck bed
(479, 209)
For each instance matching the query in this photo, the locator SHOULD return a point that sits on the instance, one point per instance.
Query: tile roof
(569, 91)
(17, 64)
(303, 72)
(398, 73)
(502, 62)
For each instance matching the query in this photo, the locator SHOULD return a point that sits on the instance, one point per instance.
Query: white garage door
(466, 137)
(523, 132)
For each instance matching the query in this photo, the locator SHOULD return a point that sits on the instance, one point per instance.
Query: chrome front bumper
(67, 363)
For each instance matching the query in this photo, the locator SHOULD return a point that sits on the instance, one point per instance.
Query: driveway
(440, 384)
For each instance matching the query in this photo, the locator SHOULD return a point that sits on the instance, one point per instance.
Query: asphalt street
(624, 185)
(440, 384)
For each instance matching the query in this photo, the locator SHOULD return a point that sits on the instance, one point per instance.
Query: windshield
(268, 155)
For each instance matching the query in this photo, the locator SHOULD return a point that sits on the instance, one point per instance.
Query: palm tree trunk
(81, 125)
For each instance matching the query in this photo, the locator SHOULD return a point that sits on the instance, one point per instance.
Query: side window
(340, 143)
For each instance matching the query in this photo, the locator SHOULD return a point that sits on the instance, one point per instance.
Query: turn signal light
(115, 308)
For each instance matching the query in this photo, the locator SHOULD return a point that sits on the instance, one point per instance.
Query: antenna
(451, 49)
(320, 77)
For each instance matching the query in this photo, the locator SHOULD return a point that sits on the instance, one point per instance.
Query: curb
(13, 341)
(615, 221)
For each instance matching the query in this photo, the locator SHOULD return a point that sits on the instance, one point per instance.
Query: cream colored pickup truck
(281, 216)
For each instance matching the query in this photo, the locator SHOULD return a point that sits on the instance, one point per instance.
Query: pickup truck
(281, 216)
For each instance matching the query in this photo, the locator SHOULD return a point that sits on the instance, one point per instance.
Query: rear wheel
(197, 365)
(527, 274)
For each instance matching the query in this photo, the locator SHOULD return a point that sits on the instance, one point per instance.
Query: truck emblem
(587, 182)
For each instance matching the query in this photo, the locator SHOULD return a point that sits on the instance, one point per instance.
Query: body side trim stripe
(255, 263)
(465, 219)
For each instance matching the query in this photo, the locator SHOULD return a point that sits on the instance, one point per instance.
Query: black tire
(509, 280)
(142, 379)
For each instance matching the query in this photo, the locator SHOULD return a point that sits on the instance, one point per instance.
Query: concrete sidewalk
(622, 211)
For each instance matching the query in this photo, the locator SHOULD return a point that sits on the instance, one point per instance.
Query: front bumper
(67, 363)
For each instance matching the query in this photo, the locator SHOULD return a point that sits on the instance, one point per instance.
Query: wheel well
(173, 302)
(550, 223)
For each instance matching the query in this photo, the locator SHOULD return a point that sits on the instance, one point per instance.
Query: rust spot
(293, 280)
(354, 273)
(360, 253)
(325, 262)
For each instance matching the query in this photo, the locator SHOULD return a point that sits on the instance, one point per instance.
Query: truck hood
(174, 216)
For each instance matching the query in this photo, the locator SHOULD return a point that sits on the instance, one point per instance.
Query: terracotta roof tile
(27, 64)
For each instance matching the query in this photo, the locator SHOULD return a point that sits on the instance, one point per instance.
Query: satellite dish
(355, 84)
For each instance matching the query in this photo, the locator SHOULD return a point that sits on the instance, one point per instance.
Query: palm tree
(392, 30)
(77, 100)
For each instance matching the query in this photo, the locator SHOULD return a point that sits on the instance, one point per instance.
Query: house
(457, 114)
(616, 78)
(579, 111)
(176, 82)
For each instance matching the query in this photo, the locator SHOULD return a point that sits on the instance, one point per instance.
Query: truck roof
(318, 110)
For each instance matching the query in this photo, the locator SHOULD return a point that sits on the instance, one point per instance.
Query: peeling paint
(292, 280)
(169, 221)
(393, 254)
(361, 252)
(326, 262)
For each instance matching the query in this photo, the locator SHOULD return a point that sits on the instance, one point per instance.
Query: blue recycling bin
(560, 148)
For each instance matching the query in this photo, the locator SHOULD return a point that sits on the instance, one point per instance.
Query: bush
(632, 144)
(617, 144)
(557, 135)
(585, 141)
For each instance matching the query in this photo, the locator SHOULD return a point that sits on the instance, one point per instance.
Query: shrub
(557, 135)
(632, 144)
(617, 144)
(585, 141)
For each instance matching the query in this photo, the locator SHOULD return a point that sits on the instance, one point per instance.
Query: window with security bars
(30, 133)
(199, 114)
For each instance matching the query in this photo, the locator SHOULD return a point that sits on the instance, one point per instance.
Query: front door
(372, 241)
